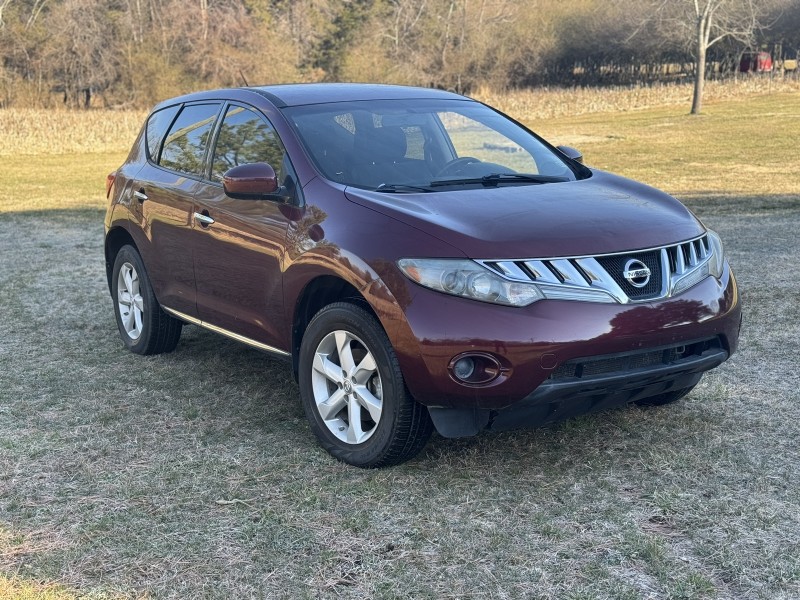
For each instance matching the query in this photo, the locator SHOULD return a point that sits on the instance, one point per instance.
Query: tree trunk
(699, 81)
(700, 69)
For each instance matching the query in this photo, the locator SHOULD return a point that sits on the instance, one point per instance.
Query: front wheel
(143, 326)
(353, 392)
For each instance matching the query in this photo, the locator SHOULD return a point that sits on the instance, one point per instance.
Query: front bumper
(534, 342)
(566, 397)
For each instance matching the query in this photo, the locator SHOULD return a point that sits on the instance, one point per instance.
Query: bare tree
(79, 59)
(703, 23)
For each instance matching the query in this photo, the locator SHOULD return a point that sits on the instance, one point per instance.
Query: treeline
(134, 52)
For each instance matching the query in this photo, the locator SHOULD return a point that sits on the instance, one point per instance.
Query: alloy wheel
(347, 387)
(129, 300)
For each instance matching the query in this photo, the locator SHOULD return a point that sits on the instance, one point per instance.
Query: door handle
(203, 219)
(140, 195)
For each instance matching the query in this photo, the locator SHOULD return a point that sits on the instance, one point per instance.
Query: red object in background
(755, 62)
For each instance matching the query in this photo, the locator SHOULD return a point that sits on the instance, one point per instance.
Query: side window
(245, 137)
(157, 126)
(187, 139)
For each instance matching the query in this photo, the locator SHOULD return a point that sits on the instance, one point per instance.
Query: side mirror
(572, 153)
(255, 181)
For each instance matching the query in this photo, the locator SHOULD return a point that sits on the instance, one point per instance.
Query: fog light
(475, 369)
(464, 368)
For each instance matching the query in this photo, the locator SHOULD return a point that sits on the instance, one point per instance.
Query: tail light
(110, 182)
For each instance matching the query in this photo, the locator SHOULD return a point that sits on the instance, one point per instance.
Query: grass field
(194, 474)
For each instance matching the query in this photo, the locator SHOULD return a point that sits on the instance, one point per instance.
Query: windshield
(412, 146)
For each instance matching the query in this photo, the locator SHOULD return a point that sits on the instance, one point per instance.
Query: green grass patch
(55, 181)
(735, 148)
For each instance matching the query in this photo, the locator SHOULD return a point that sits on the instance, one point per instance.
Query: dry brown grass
(37, 131)
(545, 103)
(31, 131)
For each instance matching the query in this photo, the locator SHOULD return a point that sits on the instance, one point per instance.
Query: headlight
(469, 280)
(717, 260)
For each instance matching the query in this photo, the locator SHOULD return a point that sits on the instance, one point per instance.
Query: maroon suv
(421, 259)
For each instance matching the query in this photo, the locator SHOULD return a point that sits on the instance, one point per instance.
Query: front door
(238, 260)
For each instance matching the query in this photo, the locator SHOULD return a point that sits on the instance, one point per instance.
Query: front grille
(630, 361)
(602, 278)
(615, 266)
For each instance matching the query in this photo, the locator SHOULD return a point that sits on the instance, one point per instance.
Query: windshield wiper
(401, 188)
(494, 179)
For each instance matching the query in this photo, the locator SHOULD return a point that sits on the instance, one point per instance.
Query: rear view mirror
(572, 153)
(255, 181)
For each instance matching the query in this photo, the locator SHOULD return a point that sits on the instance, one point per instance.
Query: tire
(666, 398)
(144, 327)
(348, 366)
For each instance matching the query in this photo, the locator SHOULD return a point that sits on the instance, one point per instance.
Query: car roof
(297, 94)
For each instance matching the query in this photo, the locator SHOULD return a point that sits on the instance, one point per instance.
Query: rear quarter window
(185, 144)
(157, 126)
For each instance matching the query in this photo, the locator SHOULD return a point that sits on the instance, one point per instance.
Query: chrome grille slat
(600, 278)
(541, 271)
(677, 267)
(569, 274)
(681, 261)
(511, 269)
(692, 255)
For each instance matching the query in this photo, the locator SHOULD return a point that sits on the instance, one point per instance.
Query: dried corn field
(36, 131)
(40, 131)
(546, 103)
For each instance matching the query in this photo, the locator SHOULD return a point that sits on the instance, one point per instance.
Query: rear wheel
(666, 398)
(143, 326)
(353, 392)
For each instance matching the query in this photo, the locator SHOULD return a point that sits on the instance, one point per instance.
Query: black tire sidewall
(360, 323)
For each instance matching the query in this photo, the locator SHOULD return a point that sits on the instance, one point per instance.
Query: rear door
(164, 190)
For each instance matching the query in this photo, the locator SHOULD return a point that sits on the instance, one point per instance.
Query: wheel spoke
(128, 320)
(354, 432)
(125, 297)
(345, 351)
(135, 283)
(365, 369)
(331, 407)
(138, 302)
(326, 367)
(128, 278)
(368, 400)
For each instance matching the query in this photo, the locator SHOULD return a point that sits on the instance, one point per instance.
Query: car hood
(602, 214)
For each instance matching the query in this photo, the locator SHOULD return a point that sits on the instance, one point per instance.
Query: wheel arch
(316, 295)
(116, 238)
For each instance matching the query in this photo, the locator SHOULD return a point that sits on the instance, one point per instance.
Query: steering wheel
(454, 166)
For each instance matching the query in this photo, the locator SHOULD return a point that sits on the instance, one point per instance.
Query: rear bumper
(566, 397)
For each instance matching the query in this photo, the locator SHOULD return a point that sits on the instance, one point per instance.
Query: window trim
(163, 137)
(299, 200)
(204, 160)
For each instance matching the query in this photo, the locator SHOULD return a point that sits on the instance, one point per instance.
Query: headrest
(381, 144)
